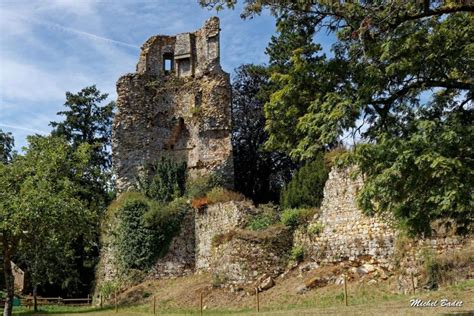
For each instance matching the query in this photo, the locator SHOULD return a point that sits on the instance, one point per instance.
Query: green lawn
(366, 301)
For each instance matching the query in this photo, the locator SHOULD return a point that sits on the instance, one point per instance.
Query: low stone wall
(180, 258)
(345, 233)
(410, 257)
(248, 256)
(214, 220)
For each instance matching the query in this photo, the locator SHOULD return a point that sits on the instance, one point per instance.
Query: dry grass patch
(222, 195)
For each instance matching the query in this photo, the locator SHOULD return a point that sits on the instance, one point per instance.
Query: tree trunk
(9, 281)
(35, 298)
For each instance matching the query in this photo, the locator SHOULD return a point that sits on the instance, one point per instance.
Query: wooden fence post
(116, 305)
(154, 305)
(200, 304)
(413, 282)
(257, 300)
(345, 290)
(100, 300)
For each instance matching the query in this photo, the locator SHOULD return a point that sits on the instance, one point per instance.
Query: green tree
(398, 69)
(7, 242)
(7, 142)
(86, 121)
(306, 188)
(164, 180)
(259, 174)
(39, 203)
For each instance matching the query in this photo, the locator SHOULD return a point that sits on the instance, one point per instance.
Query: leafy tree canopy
(86, 121)
(7, 143)
(399, 78)
(259, 174)
(40, 200)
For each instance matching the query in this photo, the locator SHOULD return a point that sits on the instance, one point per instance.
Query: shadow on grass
(57, 309)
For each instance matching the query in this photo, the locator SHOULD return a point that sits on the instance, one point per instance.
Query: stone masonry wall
(180, 258)
(183, 113)
(346, 232)
(248, 256)
(214, 220)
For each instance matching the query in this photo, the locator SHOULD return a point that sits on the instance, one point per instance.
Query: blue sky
(49, 47)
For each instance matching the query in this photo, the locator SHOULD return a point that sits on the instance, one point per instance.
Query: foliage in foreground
(294, 217)
(40, 200)
(399, 79)
(268, 214)
(146, 221)
(145, 229)
(306, 187)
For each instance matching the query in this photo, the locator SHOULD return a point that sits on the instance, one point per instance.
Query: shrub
(315, 228)
(447, 268)
(306, 187)
(197, 187)
(222, 195)
(432, 269)
(163, 181)
(294, 217)
(165, 219)
(145, 228)
(268, 214)
(297, 254)
(108, 288)
(335, 157)
(260, 222)
(136, 240)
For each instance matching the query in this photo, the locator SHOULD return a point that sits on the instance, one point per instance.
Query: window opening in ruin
(167, 63)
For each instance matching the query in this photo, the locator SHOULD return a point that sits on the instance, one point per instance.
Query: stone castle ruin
(176, 105)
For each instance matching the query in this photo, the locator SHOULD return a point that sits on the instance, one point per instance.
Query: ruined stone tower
(178, 105)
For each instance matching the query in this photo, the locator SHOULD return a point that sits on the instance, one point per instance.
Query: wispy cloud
(49, 47)
(61, 28)
(26, 129)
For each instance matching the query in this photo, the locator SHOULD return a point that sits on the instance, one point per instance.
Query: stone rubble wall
(410, 255)
(180, 257)
(214, 220)
(347, 234)
(247, 257)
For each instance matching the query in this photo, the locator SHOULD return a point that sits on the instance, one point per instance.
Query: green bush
(268, 215)
(315, 228)
(295, 217)
(260, 222)
(297, 254)
(145, 229)
(306, 187)
(166, 221)
(432, 269)
(136, 241)
(108, 288)
(163, 181)
(198, 187)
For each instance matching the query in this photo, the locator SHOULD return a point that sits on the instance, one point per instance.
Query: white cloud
(52, 46)
(80, 7)
(21, 128)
